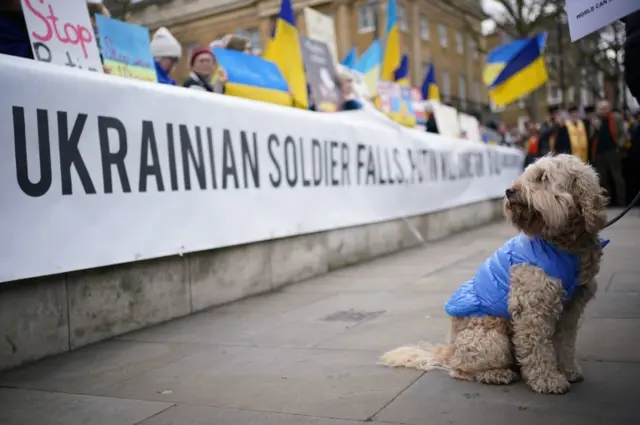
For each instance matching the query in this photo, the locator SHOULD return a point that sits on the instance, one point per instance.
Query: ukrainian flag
(429, 89)
(392, 58)
(401, 75)
(515, 69)
(352, 57)
(284, 50)
(253, 77)
(369, 67)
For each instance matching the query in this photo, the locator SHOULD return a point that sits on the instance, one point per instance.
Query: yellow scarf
(578, 138)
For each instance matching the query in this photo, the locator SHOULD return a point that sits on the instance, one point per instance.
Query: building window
(442, 34)
(554, 95)
(459, 43)
(476, 91)
(462, 91)
(253, 34)
(446, 86)
(473, 48)
(424, 28)
(402, 18)
(366, 18)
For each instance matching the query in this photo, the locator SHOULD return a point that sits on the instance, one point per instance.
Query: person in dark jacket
(549, 131)
(430, 124)
(631, 164)
(14, 37)
(610, 137)
(203, 68)
(632, 53)
(349, 103)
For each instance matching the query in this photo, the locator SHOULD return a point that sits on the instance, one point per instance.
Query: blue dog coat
(487, 293)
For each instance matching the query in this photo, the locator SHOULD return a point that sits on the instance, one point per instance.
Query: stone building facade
(431, 31)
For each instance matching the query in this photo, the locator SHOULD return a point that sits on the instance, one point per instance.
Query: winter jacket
(14, 37)
(163, 76)
(195, 81)
(632, 53)
(487, 293)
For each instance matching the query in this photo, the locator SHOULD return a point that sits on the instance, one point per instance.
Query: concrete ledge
(46, 316)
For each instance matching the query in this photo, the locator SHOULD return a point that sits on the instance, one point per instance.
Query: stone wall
(54, 314)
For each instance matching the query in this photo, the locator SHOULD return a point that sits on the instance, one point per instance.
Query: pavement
(308, 354)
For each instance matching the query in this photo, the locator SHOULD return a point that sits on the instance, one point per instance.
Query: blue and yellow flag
(401, 76)
(369, 66)
(392, 57)
(429, 89)
(284, 50)
(351, 58)
(253, 77)
(515, 69)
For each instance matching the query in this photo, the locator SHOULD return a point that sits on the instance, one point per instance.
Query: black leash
(624, 212)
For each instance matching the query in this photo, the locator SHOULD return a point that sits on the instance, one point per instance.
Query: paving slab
(19, 407)
(308, 354)
(204, 415)
(609, 393)
(324, 383)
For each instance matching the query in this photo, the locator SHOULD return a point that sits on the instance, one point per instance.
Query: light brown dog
(558, 199)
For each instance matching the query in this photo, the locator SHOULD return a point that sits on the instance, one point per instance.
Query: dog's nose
(510, 192)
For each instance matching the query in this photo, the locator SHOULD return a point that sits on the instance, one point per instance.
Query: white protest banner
(446, 119)
(61, 33)
(320, 27)
(587, 16)
(131, 171)
(469, 124)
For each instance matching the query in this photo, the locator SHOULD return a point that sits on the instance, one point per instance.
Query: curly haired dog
(524, 303)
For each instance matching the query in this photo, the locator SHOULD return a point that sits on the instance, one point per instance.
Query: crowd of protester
(605, 138)
(205, 73)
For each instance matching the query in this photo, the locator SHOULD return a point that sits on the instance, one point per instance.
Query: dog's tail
(423, 356)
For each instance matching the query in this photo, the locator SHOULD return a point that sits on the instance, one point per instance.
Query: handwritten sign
(587, 16)
(61, 33)
(396, 102)
(126, 49)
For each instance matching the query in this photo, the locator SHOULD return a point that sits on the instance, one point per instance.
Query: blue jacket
(487, 293)
(14, 37)
(163, 76)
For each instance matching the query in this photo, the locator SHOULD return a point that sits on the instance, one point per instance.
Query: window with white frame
(402, 17)
(442, 35)
(459, 43)
(424, 28)
(366, 18)
(496, 108)
(462, 88)
(473, 48)
(446, 86)
(253, 34)
(554, 94)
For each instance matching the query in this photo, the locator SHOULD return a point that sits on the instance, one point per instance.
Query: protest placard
(61, 33)
(587, 16)
(418, 106)
(321, 75)
(126, 49)
(396, 102)
(321, 27)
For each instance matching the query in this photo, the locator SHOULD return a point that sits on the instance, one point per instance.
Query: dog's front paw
(573, 374)
(554, 383)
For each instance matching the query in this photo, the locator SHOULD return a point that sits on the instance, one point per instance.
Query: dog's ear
(591, 200)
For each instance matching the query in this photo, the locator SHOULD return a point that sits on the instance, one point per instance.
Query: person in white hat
(166, 51)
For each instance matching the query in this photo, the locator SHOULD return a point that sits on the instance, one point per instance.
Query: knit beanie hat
(164, 44)
(197, 51)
